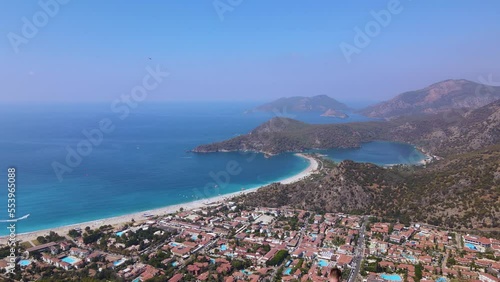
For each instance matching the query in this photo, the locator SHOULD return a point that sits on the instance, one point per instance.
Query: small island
(334, 114)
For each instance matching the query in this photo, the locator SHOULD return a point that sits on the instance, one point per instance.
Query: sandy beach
(138, 216)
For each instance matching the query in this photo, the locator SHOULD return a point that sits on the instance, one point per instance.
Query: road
(443, 263)
(358, 252)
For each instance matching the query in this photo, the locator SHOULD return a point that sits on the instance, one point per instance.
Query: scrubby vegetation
(461, 192)
(442, 134)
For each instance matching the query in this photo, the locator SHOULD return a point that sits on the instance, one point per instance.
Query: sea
(142, 160)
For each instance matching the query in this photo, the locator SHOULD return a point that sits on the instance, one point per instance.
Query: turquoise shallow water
(377, 152)
(143, 164)
(391, 277)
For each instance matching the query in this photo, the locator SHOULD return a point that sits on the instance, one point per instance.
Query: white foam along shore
(139, 216)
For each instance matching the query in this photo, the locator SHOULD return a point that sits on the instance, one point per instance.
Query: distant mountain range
(436, 98)
(441, 134)
(322, 104)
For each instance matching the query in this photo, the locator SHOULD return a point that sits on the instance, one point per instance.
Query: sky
(258, 50)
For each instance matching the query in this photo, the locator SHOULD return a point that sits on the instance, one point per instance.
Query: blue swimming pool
(288, 271)
(71, 260)
(120, 233)
(470, 246)
(441, 279)
(409, 257)
(223, 247)
(391, 277)
(246, 272)
(174, 264)
(119, 262)
(322, 263)
(24, 262)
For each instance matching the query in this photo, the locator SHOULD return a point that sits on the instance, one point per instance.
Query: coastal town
(227, 241)
(250, 141)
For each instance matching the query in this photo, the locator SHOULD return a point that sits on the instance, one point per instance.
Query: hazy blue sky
(259, 50)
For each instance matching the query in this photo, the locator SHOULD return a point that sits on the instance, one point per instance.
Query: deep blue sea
(144, 163)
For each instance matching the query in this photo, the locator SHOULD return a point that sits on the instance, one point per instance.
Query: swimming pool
(24, 262)
(246, 272)
(71, 260)
(470, 246)
(322, 263)
(391, 277)
(288, 271)
(441, 279)
(174, 264)
(120, 233)
(409, 257)
(119, 262)
(223, 247)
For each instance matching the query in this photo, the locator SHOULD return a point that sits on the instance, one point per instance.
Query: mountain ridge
(436, 98)
(440, 134)
(302, 104)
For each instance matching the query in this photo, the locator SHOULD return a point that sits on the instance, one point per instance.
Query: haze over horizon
(255, 50)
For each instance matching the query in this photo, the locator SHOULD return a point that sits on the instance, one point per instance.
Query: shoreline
(138, 216)
(429, 158)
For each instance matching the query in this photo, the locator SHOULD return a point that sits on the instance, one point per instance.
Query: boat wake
(14, 219)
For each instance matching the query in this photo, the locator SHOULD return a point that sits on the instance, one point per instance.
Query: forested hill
(440, 134)
(299, 104)
(282, 134)
(460, 192)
